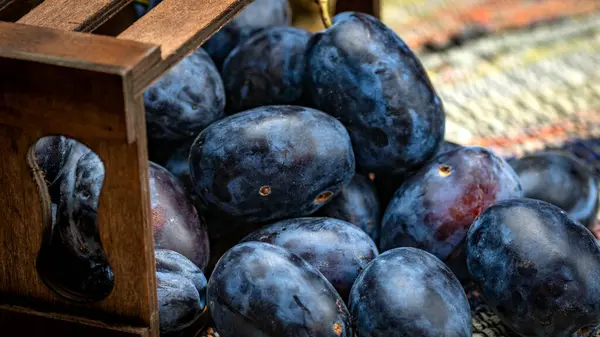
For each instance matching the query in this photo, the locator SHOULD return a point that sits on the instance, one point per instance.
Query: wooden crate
(78, 68)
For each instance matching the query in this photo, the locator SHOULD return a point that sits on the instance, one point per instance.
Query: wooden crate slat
(19, 321)
(81, 51)
(73, 15)
(179, 26)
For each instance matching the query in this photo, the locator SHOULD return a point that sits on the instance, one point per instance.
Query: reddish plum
(434, 209)
(177, 225)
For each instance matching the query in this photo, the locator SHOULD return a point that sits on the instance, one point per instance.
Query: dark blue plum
(357, 204)
(72, 260)
(181, 288)
(259, 15)
(175, 220)
(434, 208)
(182, 103)
(338, 249)
(362, 73)
(268, 69)
(562, 180)
(258, 289)
(409, 292)
(537, 268)
(271, 163)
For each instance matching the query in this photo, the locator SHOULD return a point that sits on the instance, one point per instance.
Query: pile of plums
(314, 169)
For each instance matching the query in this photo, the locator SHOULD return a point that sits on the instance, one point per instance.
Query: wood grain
(73, 15)
(80, 85)
(19, 321)
(179, 27)
(372, 7)
(35, 62)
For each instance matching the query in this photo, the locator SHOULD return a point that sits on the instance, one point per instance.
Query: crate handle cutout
(71, 261)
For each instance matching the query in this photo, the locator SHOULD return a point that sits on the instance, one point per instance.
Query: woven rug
(441, 23)
(523, 89)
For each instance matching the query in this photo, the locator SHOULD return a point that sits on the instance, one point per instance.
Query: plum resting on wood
(258, 289)
(409, 292)
(536, 267)
(434, 209)
(271, 163)
(338, 249)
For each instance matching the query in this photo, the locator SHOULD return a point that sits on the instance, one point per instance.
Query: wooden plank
(179, 27)
(80, 51)
(372, 7)
(13, 10)
(73, 15)
(80, 85)
(94, 65)
(19, 321)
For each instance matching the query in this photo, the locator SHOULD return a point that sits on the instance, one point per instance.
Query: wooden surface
(79, 85)
(179, 27)
(94, 65)
(372, 7)
(18, 322)
(73, 15)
